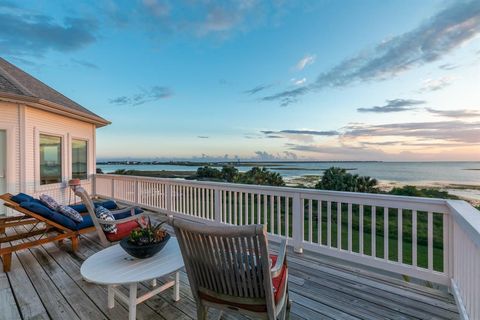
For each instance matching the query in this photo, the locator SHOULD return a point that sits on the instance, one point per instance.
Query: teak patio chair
(229, 268)
(32, 219)
(129, 220)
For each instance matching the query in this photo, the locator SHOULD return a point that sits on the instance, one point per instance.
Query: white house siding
(42, 122)
(10, 121)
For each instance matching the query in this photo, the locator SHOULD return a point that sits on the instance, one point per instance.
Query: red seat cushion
(123, 230)
(279, 281)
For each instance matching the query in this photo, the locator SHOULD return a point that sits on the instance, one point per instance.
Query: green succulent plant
(151, 233)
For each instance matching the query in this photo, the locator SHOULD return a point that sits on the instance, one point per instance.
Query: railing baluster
(339, 225)
(310, 220)
(374, 231)
(319, 221)
(279, 216)
(329, 223)
(240, 208)
(360, 230)
(265, 211)
(272, 209)
(446, 247)
(246, 209)
(259, 209)
(230, 206)
(400, 236)
(385, 233)
(287, 217)
(430, 240)
(252, 208)
(414, 238)
(350, 227)
(235, 208)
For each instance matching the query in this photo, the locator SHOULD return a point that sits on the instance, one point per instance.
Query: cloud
(299, 82)
(287, 97)
(155, 93)
(257, 89)
(395, 105)
(203, 18)
(85, 64)
(23, 33)
(272, 136)
(429, 42)
(266, 156)
(203, 137)
(452, 131)
(304, 132)
(448, 66)
(461, 113)
(435, 84)
(305, 61)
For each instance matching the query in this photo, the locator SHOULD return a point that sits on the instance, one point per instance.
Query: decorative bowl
(143, 251)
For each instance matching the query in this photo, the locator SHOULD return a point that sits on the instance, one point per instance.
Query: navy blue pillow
(108, 204)
(22, 197)
(37, 208)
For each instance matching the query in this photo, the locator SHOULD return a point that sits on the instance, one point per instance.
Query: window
(50, 159)
(79, 159)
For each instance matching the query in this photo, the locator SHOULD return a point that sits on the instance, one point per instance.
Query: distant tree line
(256, 175)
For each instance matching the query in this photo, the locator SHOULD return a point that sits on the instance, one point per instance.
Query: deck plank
(8, 307)
(55, 304)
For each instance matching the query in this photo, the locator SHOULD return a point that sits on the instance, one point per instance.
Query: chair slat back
(88, 202)
(226, 262)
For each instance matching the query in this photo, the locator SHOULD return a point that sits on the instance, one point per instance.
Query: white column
(298, 223)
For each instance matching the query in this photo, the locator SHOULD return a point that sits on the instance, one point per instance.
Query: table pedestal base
(132, 300)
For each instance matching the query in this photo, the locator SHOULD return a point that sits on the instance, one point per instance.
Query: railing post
(113, 188)
(136, 192)
(94, 185)
(218, 206)
(298, 223)
(168, 195)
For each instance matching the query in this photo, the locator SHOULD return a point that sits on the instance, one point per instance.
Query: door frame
(10, 147)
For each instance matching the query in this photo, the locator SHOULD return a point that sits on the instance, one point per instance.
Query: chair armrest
(111, 222)
(282, 254)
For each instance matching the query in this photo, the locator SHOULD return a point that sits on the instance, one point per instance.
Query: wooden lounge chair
(229, 268)
(129, 221)
(51, 231)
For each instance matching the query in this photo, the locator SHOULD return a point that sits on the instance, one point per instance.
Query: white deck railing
(430, 239)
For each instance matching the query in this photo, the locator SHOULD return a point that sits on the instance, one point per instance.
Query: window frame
(39, 185)
(71, 156)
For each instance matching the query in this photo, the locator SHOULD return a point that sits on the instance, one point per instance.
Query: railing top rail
(351, 196)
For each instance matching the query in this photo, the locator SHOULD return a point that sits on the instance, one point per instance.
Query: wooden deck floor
(45, 283)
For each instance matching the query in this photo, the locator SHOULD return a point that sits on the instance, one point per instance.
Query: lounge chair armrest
(111, 222)
(282, 254)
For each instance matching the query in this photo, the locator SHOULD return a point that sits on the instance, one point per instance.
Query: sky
(278, 80)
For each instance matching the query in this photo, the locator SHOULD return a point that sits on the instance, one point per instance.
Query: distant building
(46, 139)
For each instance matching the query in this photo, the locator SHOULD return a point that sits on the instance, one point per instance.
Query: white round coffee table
(114, 267)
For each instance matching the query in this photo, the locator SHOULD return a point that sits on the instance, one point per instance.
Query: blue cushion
(86, 223)
(22, 197)
(37, 208)
(126, 213)
(108, 204)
